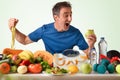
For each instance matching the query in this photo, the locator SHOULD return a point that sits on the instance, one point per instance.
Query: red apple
(16, 59)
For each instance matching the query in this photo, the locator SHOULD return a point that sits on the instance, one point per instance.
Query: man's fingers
(92, 38)
(12, 22)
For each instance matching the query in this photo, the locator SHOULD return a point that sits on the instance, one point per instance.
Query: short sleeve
(82, 44)
(37, 34)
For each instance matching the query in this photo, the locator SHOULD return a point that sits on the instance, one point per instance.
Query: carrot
(8, 51)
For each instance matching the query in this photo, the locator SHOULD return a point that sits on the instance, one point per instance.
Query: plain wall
(101, 15)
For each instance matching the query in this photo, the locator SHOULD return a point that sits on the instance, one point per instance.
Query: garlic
(22, 69)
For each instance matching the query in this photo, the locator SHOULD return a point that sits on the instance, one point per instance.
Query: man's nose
(70, 18)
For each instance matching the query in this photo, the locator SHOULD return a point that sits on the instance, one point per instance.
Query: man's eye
(66, 15)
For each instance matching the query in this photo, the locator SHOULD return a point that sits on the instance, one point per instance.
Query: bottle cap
(102, 37)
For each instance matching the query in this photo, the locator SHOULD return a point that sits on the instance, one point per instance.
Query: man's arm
(20, 37)
(91, 39)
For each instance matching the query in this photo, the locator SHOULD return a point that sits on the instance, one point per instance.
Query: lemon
(73, 69)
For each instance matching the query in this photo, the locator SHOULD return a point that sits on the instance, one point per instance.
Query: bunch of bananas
(26, 55)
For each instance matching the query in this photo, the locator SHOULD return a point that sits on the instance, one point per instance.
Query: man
(59, 35)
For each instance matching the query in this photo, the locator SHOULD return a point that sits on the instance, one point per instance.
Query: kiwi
(113, 53)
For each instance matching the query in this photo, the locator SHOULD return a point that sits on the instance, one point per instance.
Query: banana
(29, 53)
(24, 55)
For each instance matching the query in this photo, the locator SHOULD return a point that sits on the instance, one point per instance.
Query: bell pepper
(103, 57)
(25, 62)
(115, 59)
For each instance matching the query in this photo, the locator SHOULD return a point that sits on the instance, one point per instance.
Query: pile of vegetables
(24, 61)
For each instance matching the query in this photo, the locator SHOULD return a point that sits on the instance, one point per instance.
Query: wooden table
(80, 76)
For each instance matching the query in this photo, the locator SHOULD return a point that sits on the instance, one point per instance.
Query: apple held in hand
(86, 68)
(89, 32)
(16, 59)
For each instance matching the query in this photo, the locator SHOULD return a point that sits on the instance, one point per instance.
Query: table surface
(80, 76)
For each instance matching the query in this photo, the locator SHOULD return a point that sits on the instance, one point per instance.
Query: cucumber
(5, 60)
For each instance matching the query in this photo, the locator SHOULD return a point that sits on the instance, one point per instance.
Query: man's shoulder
(73, 28)
(48, 26)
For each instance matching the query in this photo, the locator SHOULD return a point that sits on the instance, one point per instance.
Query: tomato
(4, 68)
(35, 68)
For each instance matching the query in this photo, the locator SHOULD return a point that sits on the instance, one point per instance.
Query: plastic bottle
(102, 45)
(93, 56)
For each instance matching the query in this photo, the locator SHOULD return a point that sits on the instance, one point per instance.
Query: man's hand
(12, 22)
(91, 39)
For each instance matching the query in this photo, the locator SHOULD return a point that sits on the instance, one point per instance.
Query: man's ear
(55, 17)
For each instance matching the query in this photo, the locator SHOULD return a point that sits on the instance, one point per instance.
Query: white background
(101, 15)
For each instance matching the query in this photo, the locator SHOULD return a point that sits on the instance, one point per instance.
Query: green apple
(86, 68)
(89, 32)
(13, 68)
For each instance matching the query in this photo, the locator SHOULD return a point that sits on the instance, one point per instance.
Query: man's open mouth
(67, 24)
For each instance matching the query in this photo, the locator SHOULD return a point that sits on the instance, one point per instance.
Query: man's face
(64, 18)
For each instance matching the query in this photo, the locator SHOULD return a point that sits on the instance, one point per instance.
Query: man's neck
(58, 28)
